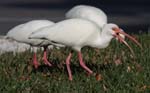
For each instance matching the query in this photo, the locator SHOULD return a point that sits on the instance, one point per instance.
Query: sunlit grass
(120, 72)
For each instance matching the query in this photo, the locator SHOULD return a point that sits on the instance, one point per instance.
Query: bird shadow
(75, 68)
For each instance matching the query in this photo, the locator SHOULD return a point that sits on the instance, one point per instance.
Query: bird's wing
(88, 12)
(68, 32)
(36, 24)
(13, 32)
(21, 32)
(24, 29)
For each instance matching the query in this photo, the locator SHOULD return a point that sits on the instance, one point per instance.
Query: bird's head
(116, 32)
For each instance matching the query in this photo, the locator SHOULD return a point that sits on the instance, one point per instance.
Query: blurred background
(132, 15)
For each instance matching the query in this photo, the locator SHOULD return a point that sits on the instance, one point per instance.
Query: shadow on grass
(76, 68)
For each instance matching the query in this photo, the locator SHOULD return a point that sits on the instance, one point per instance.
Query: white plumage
(7, 45)
(73, 32)
(89, 13)
(21, 34)
(77, 33)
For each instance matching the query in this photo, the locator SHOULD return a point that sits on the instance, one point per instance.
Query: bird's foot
(46, 62)
(69, 72)
(68, 66)
(36, 64)
(70, 78)
(83, 64)
(89, 73)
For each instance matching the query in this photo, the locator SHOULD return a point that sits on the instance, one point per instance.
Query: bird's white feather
(88, 12)
(75, 33)
(21, 32)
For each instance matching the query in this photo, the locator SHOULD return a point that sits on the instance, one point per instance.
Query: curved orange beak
(117, 30)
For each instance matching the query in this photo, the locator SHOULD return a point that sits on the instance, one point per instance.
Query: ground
(115, 70)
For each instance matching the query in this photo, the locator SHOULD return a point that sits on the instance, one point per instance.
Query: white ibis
(77, 33)
(21, 33)
(90, 13)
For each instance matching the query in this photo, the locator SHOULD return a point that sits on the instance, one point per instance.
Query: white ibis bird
(77, 33)
(21, 33)
(90, 13)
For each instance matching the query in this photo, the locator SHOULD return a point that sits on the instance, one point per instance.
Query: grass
(117, 71)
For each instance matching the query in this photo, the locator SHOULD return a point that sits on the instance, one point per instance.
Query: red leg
(68, 66)
(46, 62)
(83, 65)
(35, 62)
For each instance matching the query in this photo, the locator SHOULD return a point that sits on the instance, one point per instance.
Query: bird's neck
(103, 41)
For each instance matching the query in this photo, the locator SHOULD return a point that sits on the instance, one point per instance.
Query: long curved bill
(128, 36)
(122, 40)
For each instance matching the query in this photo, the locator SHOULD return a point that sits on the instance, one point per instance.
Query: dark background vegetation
(131, 15)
